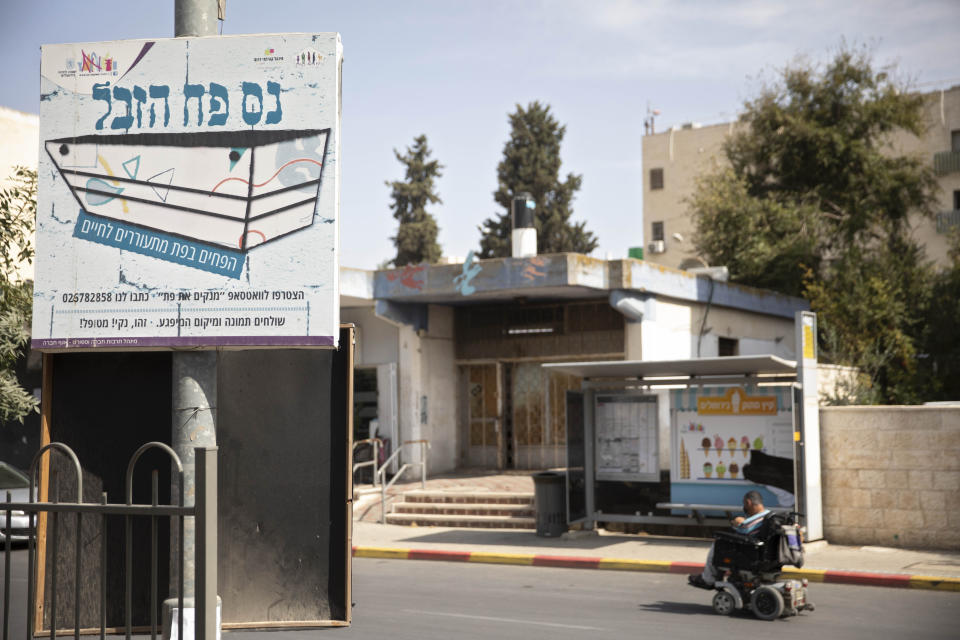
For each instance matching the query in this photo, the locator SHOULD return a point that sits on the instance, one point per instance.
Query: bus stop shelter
(668, 442)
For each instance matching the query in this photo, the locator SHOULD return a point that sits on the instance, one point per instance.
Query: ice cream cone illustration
(707, 469)
(745, 445)
(732, 445)
(718, 444)
(734, 469)
(758, 443)
(705, 443)
(684, 461)
(721, 469)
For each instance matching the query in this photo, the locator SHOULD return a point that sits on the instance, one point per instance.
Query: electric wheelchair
(749, 570)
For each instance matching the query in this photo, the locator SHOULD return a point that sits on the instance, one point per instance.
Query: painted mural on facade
(189, 193)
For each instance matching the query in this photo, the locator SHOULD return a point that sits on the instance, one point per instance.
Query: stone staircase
(487, 509)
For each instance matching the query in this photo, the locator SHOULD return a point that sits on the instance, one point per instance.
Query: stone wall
(891, 476)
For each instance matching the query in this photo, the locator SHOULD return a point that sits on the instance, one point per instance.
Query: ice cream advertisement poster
(188, 193)
(714, 431)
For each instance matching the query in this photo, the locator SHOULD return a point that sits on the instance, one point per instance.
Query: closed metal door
(481, 425)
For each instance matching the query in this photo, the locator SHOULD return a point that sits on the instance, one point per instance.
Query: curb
(830, 576)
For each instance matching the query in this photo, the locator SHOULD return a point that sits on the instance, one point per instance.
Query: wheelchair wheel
(767, 603)
(723, 603)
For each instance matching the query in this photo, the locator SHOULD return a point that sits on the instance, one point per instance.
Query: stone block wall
(891, 476)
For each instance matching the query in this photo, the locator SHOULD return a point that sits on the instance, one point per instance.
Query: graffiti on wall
(470, 270)
(408, 276)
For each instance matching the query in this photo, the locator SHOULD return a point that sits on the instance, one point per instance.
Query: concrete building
(673, 160)
(452, 353)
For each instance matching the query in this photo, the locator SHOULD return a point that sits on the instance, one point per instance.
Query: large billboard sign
(189, 193)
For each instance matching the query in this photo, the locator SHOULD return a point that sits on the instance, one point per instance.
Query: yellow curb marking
(659, 566)
(501, 558)
(381, 552)
(812, 575)
(937, 583)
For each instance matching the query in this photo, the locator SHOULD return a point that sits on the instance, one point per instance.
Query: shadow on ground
(683, 608)
(525, 538)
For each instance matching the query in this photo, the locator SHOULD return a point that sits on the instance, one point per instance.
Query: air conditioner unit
(657, 246)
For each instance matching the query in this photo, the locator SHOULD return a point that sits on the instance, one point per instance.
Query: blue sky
(454, 69)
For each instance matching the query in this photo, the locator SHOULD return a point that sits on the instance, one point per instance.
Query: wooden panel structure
(284, 434)
(103, 406)
(284, 437)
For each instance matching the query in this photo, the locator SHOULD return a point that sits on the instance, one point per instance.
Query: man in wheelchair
(744, 565)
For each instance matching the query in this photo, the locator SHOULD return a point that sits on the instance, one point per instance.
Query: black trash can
(550, 498)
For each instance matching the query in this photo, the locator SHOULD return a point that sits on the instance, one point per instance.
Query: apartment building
(673, 159)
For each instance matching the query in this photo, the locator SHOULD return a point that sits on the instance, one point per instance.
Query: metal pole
(78, 549)
(588, 459)
(6, 569)
(423, 465)
(155, 500)
(206, 549)
(103, 570)
(193, 18)
(194, 377)
(194, 425)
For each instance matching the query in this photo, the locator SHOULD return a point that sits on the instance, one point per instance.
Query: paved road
(437, 600)
(402, 599)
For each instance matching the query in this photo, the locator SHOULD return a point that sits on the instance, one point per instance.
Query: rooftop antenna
(648, 121)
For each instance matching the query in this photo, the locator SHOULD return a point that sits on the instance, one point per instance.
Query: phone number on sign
(83, 296)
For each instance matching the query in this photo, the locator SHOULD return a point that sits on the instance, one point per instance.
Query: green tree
(815, 202)
(531, 163)
(416, 239)
(764, 241)
(940, 361)
(18, 210)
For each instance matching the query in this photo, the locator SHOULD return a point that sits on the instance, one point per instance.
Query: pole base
(171, 616)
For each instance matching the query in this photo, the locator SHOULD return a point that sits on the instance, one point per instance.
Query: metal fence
(204, 511)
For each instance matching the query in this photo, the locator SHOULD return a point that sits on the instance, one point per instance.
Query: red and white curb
(831, 576)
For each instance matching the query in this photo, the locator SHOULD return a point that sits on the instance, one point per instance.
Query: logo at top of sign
(735, 402)
(308, 58)
(269, 55)
(92, 63)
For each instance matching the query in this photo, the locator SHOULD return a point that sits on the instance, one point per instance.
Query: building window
(727, 346)
(657, 231)
(656, 179)
(956, 200)
(954, 141)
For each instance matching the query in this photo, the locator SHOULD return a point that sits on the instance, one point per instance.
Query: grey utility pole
(195, 18)
(194, 421)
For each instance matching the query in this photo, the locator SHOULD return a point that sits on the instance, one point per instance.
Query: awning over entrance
(660, 372)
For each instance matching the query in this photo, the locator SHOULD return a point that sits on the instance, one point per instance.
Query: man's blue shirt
(751, 524)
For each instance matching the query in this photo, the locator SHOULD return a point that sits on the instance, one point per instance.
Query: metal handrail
(377, 445)
(424, 447)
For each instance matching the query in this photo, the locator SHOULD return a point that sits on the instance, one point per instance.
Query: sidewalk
(876, 566)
